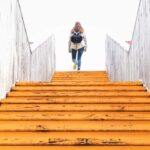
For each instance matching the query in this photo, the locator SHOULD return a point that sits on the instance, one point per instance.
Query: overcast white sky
(98, 17)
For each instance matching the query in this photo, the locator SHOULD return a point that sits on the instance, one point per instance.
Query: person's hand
(85, 48)
(69, 50)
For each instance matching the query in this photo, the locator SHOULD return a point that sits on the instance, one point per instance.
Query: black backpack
(76, 37)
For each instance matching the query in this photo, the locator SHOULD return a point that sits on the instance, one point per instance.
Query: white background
(98, 17)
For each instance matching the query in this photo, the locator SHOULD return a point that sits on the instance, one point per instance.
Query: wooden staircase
(76, 111)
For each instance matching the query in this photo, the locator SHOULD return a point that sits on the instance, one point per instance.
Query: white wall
(134, 64)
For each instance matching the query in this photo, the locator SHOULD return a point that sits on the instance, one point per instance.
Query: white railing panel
(43, 62)
(7, 45)
(17, 62)
(134, 64)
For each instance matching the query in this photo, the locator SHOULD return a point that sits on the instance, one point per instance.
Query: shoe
(75, 65)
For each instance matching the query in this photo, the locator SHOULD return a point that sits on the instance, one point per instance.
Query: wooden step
(76, 81)
(78, 93)
(90, 78)
(80, 76)
(76, 100)
(80, 83)
(75, 147)
(74, 107)
(84, 116)
(78, 88)
(74, 126)
(80, 72)
(75, 138)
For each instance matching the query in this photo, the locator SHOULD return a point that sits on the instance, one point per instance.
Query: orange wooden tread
(79, 88)
(75, 147)
(84, 116)
(76, 100)
(81, 77)
(79, 126)
(78, 93)
(82, 80)
(75, 107)
(64, 76)
(80, 83)
(75, 138)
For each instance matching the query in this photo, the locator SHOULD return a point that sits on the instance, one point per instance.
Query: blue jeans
(74, 55)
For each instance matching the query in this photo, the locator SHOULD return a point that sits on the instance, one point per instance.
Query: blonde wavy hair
(77, 27)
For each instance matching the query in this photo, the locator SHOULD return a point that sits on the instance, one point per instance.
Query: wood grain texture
(80, 79)
(76, 147)
(79, 83)
(73, 126)
(75, 138)
(86, 116)
(77, 93)
(78, 88)
(75, 107)
(76, 100)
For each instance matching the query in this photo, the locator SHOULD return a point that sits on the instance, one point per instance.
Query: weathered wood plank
(76, 100)
(79, 83)
(75, 107)
(80, 76)
(75, 80)
(75, 147)
(81, 79)
(75, 138)
(73, 126)
(79, 93)
(88, 116)
(79, 88)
